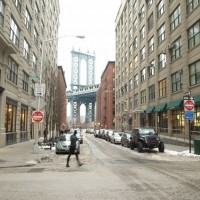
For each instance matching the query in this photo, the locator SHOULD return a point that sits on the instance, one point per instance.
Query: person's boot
(67, 165)
(79, 163)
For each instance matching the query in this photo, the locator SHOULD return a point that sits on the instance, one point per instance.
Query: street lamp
(36, 148)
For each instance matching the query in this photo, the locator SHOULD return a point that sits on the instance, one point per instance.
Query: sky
(95, 19)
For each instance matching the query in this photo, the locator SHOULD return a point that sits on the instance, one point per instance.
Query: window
(25, 81)
(175, 18)
(141, 13)
(142, 33)
(151, 45)
(176, 50)
(143, 75)
(27, 20)
(2, 10)
(149, 2)
(33, 88)
(26, 52)
(36, 12)
(130, 66)
(10, 115)
(161, 61)
(130, 50)
(136, 80)
(142, 54)
(151, 92)
(17, 4)
(150, 22)
(151, 68)
(130, 85)
(194, 35)
(24, 118)
(176, 81)
(160, 9)
(135, 43)
(35, 37)
(135, 25)
(162, 88)
(143, 96)
(130, 103)
(14, 33)
(13, 71)
(161, 34)
(43, 6)
(34, 63)
(135, 100)
(130, 33)
(191, 5)
(135, 61)
(194, 73)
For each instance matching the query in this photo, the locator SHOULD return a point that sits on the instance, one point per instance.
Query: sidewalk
(20, 155)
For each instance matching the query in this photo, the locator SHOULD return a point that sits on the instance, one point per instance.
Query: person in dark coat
(72, 149)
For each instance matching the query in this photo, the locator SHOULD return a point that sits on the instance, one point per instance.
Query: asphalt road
(109, 172)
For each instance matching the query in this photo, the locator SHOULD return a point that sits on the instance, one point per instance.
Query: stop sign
(189, 105)
(37, 116)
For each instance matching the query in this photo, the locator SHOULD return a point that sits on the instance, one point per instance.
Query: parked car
(90, 130)
(63, 144)
(80, 137)
(126, 139)
(146, 138)
(101, 132)
(108, 135)
(96, 132)
(116, 137)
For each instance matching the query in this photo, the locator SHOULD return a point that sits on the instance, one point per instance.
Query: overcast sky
(96, 20)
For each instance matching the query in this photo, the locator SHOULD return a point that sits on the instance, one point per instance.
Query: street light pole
(36, 148)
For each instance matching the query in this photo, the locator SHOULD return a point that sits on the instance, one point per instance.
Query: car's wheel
(57, 152)
(140, 147)
(161, 147)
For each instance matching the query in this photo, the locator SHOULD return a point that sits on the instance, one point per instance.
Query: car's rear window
(65, 137)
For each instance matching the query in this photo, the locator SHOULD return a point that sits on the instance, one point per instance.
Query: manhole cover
(36, 170)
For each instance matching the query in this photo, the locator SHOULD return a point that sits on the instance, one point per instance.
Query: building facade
(61, 101)
(105, 108)
(157, 63)
(25, 25)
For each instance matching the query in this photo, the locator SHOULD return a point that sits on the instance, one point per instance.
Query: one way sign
(39, 90)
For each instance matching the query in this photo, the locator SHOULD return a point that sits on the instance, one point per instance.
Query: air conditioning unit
(171, 46)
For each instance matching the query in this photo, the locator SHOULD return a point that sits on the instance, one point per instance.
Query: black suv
(146, 138)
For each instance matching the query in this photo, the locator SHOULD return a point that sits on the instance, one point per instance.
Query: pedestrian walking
(73, 149)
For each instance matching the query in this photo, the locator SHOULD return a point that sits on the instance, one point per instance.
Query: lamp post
(36, 148)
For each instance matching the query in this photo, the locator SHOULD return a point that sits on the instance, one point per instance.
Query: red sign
(37, 116)
(189, 105)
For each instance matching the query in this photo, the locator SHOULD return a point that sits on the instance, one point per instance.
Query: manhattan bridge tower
(82, 78)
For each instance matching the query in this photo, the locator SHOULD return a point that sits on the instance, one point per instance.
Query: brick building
(61, 101)
(106, 98)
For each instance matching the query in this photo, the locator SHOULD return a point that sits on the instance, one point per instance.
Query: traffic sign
(189, 115)
(37, 116)
(189, 105)
(39, 90)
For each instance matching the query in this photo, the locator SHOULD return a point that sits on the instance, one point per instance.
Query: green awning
(160, 107)
(150, 109)
(197, 99)
(175, 104)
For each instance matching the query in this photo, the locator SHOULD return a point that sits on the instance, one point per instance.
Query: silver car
(116, 137)
(63, 144)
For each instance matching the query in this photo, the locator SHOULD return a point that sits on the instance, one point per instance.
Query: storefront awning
(175, 104)
(150, 109)
(160, 107)
(197, 100)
